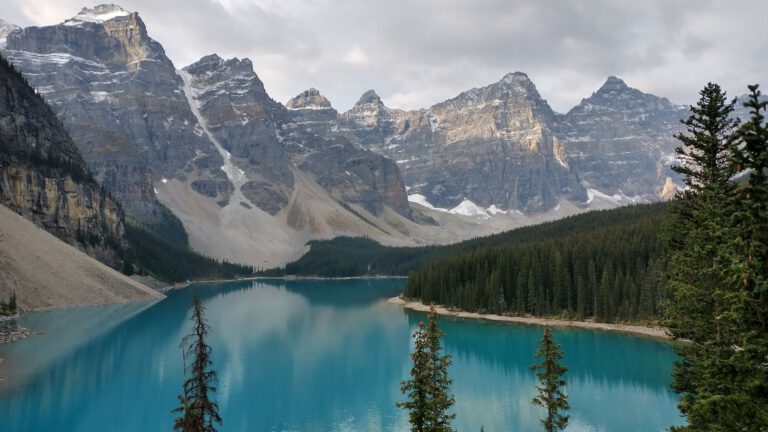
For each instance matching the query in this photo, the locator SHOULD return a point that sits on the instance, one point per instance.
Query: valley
(253, 180)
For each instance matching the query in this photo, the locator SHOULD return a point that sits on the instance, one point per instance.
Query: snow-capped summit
(5, 29)
(97, 14)
(516, 77)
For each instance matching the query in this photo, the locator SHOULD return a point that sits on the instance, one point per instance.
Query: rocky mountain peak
(309, 99)
(369, 97)
(616, 95)
(613, 85)
(233, 68)
(98, 14)
(515, 88)
(5, 29)
(106, 34)
(516, 78)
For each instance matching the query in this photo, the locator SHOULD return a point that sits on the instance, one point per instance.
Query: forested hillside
(599, 263)
(44, 178)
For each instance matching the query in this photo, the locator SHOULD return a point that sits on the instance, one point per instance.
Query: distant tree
(12, 306)
(551, 386)
(198, 412)
(428, 390)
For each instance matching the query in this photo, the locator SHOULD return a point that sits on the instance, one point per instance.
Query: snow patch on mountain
(422, 201)
(235, 175)
(617, 198)
(98, 15)
(468, 208)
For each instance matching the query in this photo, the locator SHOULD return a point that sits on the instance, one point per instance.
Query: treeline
(355, 256)
(602, 265)
(8, 308)
(15, 86)
(348, 256)
(168, 261)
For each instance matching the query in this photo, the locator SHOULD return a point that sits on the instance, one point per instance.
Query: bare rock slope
(45, 272)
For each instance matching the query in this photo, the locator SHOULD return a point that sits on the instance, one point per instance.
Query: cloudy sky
(415, 53)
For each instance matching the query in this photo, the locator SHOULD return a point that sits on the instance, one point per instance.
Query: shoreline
(287, 278)
(653, 332)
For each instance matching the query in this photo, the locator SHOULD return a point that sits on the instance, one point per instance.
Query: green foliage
(198, 412)
(10, 307)
(710, 134)
(348, 256)
(33, 154)
(552, 396)
(428, 390)
(169, 228)
(599, 264)
(716, 270)
(170, 262)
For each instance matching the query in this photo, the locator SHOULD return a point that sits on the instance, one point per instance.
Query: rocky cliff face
(503, 146)
(266, 140)
(493, 146)
(353, 174)
(621, 140)
(44, 178)
(244, 171)
(118, 96)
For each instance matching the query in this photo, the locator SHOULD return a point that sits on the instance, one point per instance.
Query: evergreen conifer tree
(552, 396)
(198, 412)
(12, 306)
(720, 374)
(428, 390)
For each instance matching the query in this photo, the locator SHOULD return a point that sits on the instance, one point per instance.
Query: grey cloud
(420, 52)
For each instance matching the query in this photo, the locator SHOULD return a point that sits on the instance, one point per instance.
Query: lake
(324, 355)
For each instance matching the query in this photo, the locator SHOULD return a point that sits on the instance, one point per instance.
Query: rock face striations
(267, 141)
(621, 140)
(118, 96)
(503, 146)
(151, 133)
(494, 146)
(44, 178)
(252, 179)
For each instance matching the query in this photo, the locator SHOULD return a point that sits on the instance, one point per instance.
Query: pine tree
(428, 390)
(745, 257)
(199, 413)
(12, 306)
(700, 223)
(710, 135)
(716, 374)
(551, 386)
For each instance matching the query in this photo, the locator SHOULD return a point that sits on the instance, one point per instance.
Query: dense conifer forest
(599, 264)
(169, 259)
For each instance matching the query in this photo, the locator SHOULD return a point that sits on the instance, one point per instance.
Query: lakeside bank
(654, 332)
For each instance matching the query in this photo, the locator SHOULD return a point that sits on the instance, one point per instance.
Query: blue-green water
(312, 356)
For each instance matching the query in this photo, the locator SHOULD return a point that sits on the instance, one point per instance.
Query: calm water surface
(312, 356)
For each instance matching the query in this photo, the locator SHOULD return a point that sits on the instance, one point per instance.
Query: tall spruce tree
(198, 412)
(428, 390)
(700, 221)
(551, 388)
(719, 371)
(746, 260)
(12, 305)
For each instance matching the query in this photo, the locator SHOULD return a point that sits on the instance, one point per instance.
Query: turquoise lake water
(312, 356)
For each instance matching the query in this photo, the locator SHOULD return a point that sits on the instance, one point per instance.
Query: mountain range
(253, 179)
